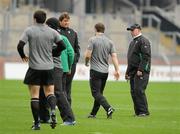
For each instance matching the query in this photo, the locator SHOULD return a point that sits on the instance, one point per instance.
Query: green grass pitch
(163, 98)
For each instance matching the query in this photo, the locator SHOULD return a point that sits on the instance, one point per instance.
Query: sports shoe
(68, 123)
(110, 112)
(91, 116)
(36, 126)
(143, 115)
(53, 120)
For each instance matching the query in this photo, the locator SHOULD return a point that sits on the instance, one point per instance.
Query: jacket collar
(137, 36)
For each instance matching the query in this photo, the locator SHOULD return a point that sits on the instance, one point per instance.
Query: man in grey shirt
(98, 51)
(41, 39)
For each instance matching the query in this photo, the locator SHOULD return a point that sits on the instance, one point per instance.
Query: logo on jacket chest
(135, 42)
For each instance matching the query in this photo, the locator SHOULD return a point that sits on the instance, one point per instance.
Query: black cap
(135, 26)
(53, 23)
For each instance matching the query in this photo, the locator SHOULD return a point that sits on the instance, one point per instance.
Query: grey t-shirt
(41, 39)
(101, 47)
(57, 60)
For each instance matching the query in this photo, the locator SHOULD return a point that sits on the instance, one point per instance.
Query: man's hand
(127, 77)
(87, 64)
(87, 56)
(116, 75)
(25, 59)
(139, 73)
(87, 61)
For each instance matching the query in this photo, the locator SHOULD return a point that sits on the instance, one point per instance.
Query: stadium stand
(160, 25)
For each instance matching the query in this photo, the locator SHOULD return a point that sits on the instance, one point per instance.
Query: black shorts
(39, 77)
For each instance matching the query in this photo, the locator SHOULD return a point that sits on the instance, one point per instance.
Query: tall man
(41, 39)
(64, 21)
(138, 69)
(98, 51)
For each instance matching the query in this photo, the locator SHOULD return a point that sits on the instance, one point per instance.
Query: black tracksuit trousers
(68, 82)
(62, 102)
(97, 84)
(138, 87)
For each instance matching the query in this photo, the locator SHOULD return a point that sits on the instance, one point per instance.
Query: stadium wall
(1, 68)
(17, 70)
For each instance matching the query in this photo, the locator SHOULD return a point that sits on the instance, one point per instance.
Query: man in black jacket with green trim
(138, 69)
(64, 21)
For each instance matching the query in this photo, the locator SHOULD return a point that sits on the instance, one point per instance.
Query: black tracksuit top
(139, 55)
(73, 39)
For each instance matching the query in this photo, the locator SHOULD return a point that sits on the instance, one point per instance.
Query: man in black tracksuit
(138, 69)
(64, 21)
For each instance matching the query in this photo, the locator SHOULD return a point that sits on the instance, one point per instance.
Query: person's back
(97, 52)
(102, 48)
(41, 39)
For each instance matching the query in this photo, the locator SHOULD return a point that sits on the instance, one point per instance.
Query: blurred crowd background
(160, 20)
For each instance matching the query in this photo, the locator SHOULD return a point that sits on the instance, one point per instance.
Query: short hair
(63, 16)
(100, 27)
(40, 16)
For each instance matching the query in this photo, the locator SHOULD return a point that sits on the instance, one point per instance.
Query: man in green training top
(62, 64)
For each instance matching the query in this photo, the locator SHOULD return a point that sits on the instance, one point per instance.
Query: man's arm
(116, 65)
(127, 77)
(77, 48)
(145, 57)
(70, 53)
(20, 48)
(87, 56)
(60, 47)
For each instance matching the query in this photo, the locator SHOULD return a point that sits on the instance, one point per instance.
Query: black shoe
(53, 121)
(36, 126)
(91, 116)
(110, 112)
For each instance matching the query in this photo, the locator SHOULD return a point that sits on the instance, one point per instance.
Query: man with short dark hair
(98, 51)
(138, 69)
(41, 67)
